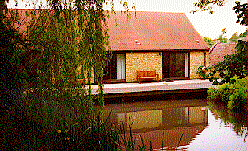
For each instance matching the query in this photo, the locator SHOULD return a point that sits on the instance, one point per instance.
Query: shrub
(202, 72)
(234, 93)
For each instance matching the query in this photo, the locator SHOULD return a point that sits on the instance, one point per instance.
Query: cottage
(164, 43)
(154, 41)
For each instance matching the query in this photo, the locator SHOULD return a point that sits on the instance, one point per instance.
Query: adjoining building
(219, 51)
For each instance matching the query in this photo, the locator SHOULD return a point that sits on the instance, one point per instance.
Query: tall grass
(66, 120)
(57, 120)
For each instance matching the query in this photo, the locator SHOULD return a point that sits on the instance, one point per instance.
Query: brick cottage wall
(196, 60)
(142, 61)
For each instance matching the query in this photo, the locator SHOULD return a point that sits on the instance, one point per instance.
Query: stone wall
(207, 59)
(196, 60)
(78, 71)
(142, 61)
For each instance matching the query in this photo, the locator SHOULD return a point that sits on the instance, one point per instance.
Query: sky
(206, 24)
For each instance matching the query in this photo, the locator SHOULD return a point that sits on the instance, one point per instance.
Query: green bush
(234, 93)
(201, 71)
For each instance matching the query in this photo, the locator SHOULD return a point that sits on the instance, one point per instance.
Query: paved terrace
(155, 87)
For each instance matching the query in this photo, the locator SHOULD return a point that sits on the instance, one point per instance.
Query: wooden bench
(146, 75)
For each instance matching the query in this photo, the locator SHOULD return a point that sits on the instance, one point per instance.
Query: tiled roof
(24, 18)
(153, 31)
(219, 50)
(145, 31)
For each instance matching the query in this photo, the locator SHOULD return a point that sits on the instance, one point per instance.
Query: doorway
(115, 69)
(175, 65)
(121, 66)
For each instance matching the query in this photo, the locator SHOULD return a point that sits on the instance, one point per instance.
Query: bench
(146, 75)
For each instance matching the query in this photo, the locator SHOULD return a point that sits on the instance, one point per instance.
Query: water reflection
(168, 118)
(178, 124)
(237, 119)
(217, 136)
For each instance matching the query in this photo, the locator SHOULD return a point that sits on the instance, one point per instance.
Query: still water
(194, 125)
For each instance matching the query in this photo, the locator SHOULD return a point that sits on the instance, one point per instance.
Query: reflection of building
(141, 119)
(167, 125)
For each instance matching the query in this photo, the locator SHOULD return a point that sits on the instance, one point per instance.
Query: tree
(243, 34)
(209, 41)
(231, 74)
(222, 38)
(233, 70)
(240, 9)
(233, 65)
(234, 37)
(10, 42)
(62, 39)
(41, 64)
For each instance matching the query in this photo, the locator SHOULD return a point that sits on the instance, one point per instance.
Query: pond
(182, 124)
